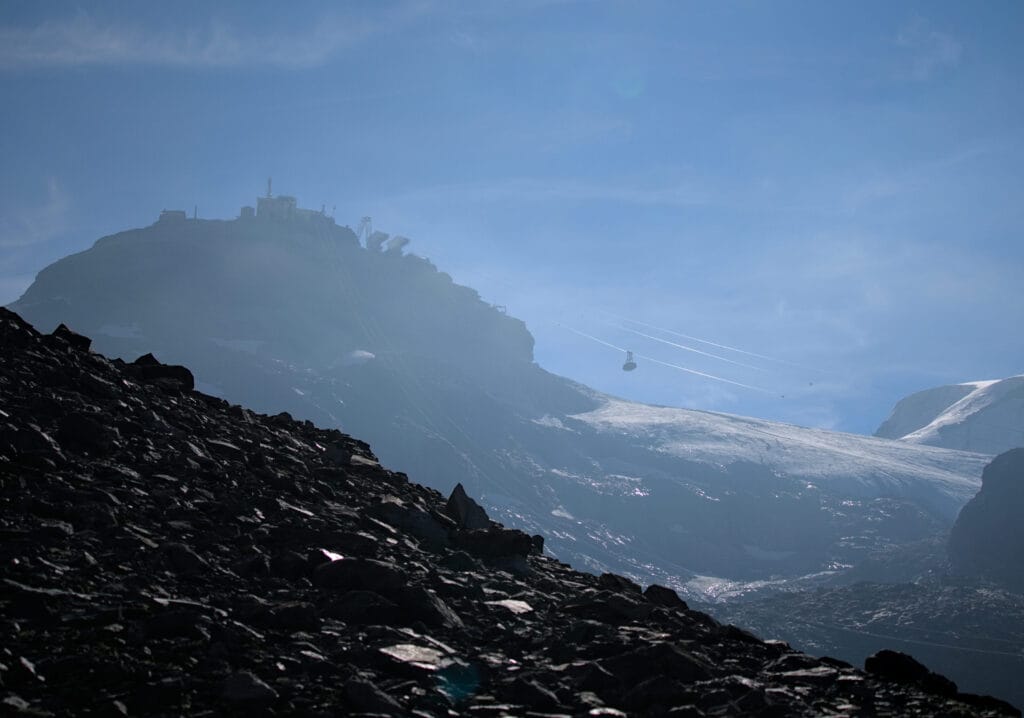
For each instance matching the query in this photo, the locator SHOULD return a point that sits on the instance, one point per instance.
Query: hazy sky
(838, 186)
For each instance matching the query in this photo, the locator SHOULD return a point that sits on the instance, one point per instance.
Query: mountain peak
(982, 416)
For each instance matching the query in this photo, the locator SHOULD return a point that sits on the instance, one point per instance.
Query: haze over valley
(720, 301)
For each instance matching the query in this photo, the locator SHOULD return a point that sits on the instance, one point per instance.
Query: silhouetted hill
(297, 316)
(167, 553)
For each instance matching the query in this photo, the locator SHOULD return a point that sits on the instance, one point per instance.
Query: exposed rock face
(203, 559)
(987, 539)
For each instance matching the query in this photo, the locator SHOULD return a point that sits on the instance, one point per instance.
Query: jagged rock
(466, 512)
(608, 607)
(181, 559)
(363, 607)
(896, 666)
(83, 431)
(173, 624)
(659, 694)
(202, 588)
(252, 566)
(655, 659)
(614, 582)
(79, 342)
(147, 368)
(460, 561)
(664, 597)
(738, 634)
(290, 564)
(420, 604)
(367, 697)
(531, 693)
(294, 616)
(245, 689)
(495, 542)
(431, 528)
(357, 573)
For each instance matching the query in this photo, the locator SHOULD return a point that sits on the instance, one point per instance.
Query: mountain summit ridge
(981, 416)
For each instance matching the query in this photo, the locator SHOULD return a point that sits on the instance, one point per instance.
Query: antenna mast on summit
(268, 188)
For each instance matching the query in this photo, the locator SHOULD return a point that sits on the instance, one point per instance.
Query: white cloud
(83, 40)
(36, 224)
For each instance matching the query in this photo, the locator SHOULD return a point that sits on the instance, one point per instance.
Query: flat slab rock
(165, 553)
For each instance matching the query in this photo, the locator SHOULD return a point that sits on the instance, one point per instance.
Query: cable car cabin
(630, 365)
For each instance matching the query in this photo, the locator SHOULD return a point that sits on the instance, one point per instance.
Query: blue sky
(834, 186)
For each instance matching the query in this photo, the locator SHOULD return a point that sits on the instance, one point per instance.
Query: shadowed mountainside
(987, 540)
(297, 316)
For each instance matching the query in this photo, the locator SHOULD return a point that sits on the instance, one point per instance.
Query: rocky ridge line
(166, 553)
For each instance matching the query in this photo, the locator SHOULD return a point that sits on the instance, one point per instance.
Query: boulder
(359, 574)
(495, 542)
(903, 668)
(664, 597)
(466, 512)
(79, 342)
(147, 368)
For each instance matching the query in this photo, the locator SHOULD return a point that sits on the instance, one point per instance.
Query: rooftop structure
(276, 208)
(172, 215)
(284, 208)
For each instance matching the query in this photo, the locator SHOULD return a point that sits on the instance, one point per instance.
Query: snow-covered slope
(920, 409)
(981, 416)
(850, 464)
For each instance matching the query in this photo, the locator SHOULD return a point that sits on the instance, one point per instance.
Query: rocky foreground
(166, 553)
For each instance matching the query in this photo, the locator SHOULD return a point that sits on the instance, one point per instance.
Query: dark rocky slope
(987, 540)
(167, 553)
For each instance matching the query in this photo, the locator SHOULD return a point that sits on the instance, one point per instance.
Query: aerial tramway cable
(663, 363)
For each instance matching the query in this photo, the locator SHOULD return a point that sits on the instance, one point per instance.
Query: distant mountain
(287, 311)
(981, 416)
